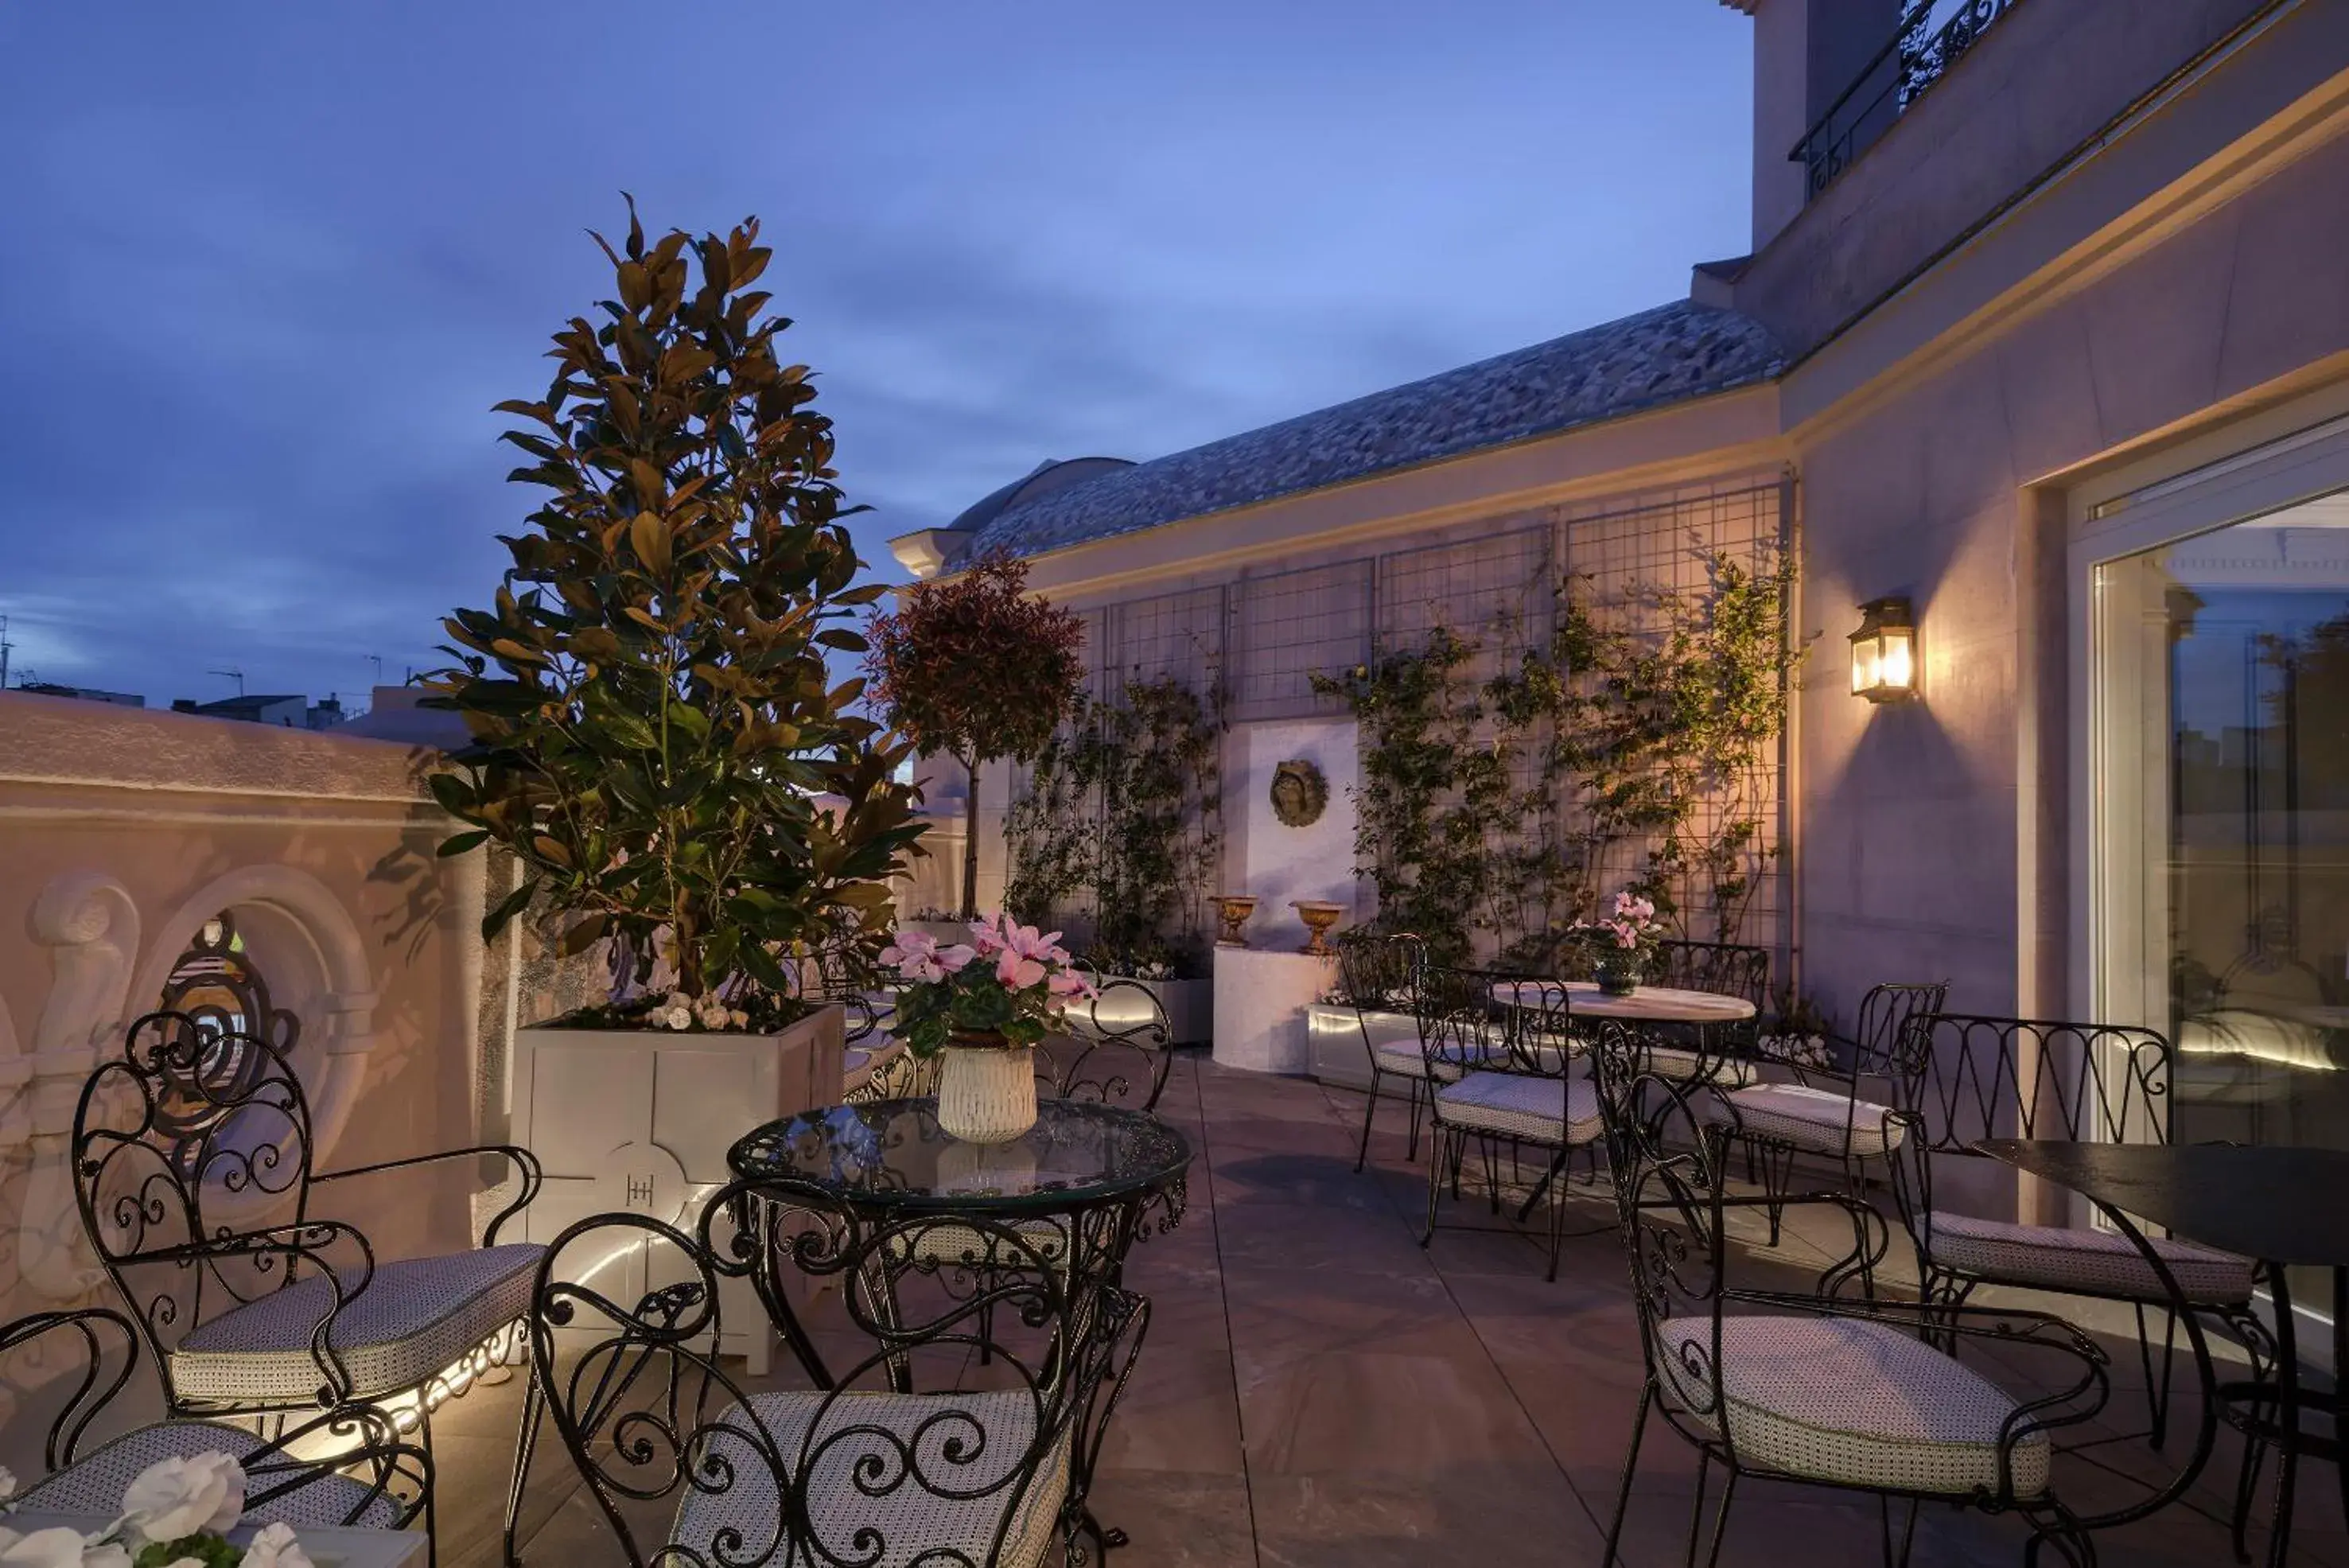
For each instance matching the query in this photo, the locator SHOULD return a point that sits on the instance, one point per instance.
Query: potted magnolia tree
(656, 736)
(975, 669)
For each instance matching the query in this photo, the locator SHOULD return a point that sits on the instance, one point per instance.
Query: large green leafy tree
(977, 669)
(655, 734)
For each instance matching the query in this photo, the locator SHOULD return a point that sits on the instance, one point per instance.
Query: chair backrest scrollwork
(1727, 968)
(868, 1468)
(1117, 1052)
(192, 1161)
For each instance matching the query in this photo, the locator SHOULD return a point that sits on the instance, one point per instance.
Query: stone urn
(1318, 915)
(1232, 910)
(986, 1089)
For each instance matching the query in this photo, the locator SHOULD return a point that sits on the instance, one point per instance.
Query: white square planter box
(1334, 1042)
(1190, 1007)
(640, 1120)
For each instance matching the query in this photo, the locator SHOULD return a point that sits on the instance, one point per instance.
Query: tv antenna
(4, 646)
(376, 659)
(235, 675)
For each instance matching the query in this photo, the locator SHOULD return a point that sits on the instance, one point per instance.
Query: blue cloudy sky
(265, 267)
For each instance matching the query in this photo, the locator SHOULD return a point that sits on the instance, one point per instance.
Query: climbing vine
(1122, 819)
(1638, 748)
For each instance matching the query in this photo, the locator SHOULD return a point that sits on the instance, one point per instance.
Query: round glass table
(891, 1155)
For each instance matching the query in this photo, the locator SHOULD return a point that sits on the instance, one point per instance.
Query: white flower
(57, 1548)
(276, 1547)
(711, 1011)
(177, 1496)
(106, 1554)
(678, 1017)
(7, 1483)
(738, 1019)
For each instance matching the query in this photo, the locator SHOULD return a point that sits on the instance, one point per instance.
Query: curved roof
(1664, 356)
(1041, 480)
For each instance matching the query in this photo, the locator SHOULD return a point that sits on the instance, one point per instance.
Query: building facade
(2046, 331)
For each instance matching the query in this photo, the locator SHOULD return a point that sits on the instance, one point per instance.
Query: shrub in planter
(657, 740)
(655, 734)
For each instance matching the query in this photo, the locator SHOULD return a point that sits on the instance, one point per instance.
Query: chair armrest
(533, 1176)
(1871, 1237)
(96, 1389)
(288, 1245)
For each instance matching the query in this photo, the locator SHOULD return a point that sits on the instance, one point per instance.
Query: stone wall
(121, 832)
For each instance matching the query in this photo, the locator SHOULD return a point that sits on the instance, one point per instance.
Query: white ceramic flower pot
(986, 1094)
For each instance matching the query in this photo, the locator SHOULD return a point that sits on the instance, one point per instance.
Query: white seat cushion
(1814, 1120)
(2100, 1262)
(1843, 1400)
(1522, 1106)
(94, 1483)
(967, 1445)
(1402, 1057)
(1681, 1065)
(412, 1319)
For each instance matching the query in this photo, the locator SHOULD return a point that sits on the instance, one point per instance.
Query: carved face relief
(1299, 794)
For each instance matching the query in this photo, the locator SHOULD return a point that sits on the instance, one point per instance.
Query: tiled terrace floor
(1316, 1390)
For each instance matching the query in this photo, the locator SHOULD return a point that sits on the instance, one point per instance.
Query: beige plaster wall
(2043, 80)
(1932, 832)
(121, 830)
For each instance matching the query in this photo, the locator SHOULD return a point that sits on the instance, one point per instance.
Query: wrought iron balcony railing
(1920, 53)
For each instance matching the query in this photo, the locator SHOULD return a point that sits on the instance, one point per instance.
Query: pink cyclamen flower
(953, 959)
(1017, 972)
(1625, 937)
(987, 935)
(1073, 982)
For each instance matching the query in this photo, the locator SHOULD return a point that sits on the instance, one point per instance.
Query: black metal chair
(192, 1158)
(1119, 1049)
(1821, 1386)
(1985, 1077)
(373, 1480)
(864, 1468)
(1503, 1066)
(1379, 973)
(1825, 1113)
(1728, 968)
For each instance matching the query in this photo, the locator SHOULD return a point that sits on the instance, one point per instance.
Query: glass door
(2220, 701)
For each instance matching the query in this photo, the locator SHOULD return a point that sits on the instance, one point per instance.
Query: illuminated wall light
(1884, 652)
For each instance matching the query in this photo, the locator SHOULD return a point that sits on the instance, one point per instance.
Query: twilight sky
(265, 267)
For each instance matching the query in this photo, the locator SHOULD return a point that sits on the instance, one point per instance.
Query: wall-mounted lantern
(1884, 652)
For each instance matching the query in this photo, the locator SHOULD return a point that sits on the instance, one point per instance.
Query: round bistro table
(1096, 1171)
(1641, 1004)
(1645, 1005)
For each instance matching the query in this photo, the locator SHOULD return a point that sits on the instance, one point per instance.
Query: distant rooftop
(1659, 357)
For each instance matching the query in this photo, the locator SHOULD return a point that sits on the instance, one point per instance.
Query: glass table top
(891, 1153)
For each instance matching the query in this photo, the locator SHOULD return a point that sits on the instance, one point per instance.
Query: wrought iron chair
(373, 1480)
(1820, 1388)
(2013, 1077)
(1824, 1113)
(1724, 967)
(1380, 973)
(862, 1468)
(1119, 1050)
(192, 1158)
(1501, 1070)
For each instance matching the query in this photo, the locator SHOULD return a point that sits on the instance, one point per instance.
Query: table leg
(2340, 1386)
(2287, 1416)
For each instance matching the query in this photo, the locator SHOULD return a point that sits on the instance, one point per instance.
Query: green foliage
(976, 669)
(1432, 797)
(656, 734)
(1637, 749)
(208, 1550)
(1125, 806)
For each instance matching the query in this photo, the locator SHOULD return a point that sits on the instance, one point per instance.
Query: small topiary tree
(655, 734)
(975, 669)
